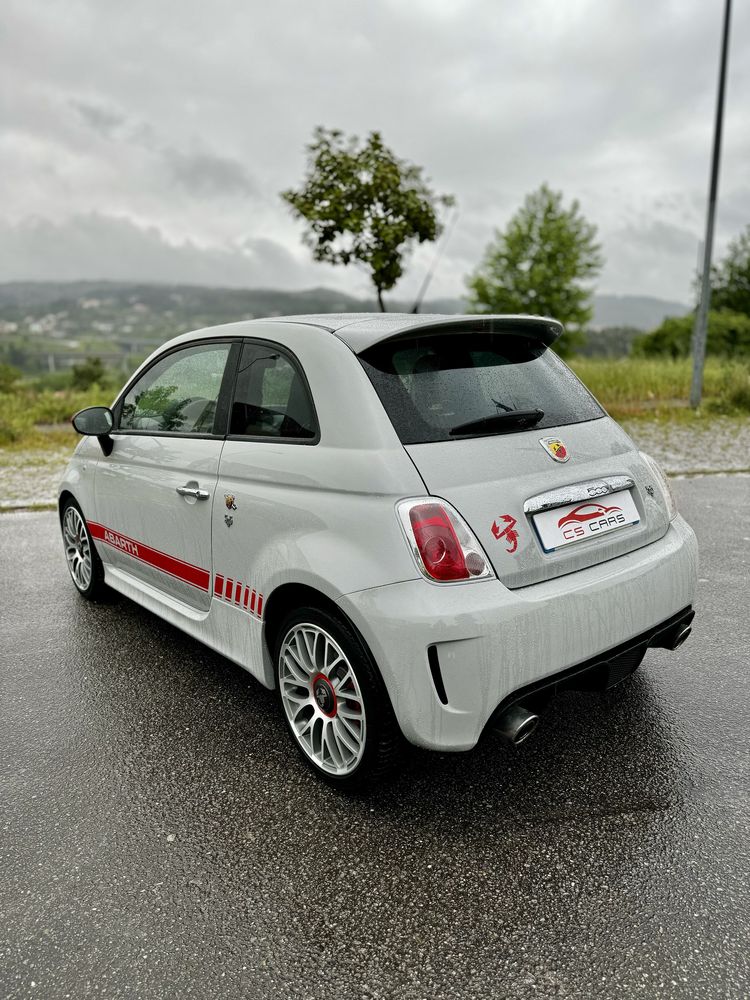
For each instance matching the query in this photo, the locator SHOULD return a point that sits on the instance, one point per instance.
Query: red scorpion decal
(508, 532)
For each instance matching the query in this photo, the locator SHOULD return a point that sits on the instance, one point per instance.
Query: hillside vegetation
(49, 326)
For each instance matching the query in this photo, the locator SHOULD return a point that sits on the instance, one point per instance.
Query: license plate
(577, 522)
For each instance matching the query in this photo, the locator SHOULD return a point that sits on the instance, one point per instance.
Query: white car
(415, 527)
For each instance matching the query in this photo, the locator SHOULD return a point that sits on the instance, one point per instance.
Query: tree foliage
(541, 263)
(89, 372)
(730, 278)
(364, 205)
(728, 336)
(9, 377)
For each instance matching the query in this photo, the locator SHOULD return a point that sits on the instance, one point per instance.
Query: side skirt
(225, 628)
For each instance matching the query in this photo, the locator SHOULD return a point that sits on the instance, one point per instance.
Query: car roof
(362, 330)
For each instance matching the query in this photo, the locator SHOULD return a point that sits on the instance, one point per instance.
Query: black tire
(93, 587)
(384, 746)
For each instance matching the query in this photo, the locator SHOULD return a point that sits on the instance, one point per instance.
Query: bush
(88, 373)
(728, 336)
(9, 377)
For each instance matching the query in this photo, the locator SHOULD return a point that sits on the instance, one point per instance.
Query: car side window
(271, 397)
(177, 395)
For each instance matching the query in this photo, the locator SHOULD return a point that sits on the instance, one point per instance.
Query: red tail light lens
(437, 543)
(443, 545)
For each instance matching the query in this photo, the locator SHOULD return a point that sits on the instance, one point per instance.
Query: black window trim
(221, 416)
(297, 365)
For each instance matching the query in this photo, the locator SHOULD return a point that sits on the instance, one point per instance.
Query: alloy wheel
(77, 548)
(322, 699)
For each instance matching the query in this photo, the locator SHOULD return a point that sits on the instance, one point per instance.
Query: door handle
(193, 491)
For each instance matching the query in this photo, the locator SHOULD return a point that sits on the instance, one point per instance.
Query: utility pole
(701, 316)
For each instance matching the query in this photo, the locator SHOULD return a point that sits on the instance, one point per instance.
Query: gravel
(29, 478)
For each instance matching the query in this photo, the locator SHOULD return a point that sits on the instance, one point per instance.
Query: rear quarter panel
(321, 515)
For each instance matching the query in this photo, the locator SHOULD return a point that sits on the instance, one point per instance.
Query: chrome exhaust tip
(516, 724)
(681, 636)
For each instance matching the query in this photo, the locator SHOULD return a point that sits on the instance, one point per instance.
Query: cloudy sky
(149, 139)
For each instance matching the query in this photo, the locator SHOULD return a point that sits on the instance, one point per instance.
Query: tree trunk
(380, 299)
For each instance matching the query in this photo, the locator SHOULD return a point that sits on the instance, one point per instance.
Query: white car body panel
(136, 490)
(323, 515)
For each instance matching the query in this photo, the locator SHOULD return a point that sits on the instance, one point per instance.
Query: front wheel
(84, 564)
(334, 700)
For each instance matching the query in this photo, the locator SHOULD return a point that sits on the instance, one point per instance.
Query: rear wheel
(334, 700)
(86, 570)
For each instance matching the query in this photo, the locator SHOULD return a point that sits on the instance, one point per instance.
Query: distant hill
(638, 311)
(46, 326)
(225, 304)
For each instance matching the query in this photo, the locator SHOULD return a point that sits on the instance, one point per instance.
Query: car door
(266, 470)
(155, 492)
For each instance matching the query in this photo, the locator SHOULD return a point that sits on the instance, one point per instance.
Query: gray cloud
(98, 246)
(101, 119)
(204, 174)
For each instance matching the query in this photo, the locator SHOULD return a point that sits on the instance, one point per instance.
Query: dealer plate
(577, 522)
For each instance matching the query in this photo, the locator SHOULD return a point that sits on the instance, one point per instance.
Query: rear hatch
(499, 427)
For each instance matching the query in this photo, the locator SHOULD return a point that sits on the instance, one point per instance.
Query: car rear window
(433, 384)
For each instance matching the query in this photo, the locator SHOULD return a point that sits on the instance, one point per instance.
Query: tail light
(443, 545)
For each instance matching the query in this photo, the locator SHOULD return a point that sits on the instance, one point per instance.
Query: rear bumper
(603, 671)
(491, 644)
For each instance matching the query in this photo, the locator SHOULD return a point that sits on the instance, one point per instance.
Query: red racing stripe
(178, 568)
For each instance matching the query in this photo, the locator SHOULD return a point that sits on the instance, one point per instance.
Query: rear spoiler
(365, 333)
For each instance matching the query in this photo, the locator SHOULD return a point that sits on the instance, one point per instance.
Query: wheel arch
(288, 596)
(285, 598)
(62, 500)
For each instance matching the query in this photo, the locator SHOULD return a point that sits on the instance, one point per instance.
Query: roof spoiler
(541, 328)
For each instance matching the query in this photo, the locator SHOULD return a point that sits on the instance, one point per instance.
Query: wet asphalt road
(160, 840)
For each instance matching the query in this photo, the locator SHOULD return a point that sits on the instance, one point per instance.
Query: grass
(32, 418)
(644, 387)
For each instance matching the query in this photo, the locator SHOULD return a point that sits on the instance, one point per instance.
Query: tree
(540, 264)
(88, 373)
(9, 377)
(728, 336)
(730, 278)
(363, 205)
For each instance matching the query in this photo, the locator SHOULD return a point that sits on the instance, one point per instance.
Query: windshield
(445, 386)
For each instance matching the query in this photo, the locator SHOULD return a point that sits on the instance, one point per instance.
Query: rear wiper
(499, 422)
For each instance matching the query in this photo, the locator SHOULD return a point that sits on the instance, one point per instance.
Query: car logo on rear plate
(555, 449)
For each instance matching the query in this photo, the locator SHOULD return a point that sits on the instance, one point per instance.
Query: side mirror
(96, 421)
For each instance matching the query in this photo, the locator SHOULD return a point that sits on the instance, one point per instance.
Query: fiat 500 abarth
(415, 527)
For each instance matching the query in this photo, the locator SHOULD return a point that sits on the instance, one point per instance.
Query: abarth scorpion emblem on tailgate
(229, 501)
(555, 449)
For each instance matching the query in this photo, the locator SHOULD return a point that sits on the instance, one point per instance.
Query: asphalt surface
(160, 839)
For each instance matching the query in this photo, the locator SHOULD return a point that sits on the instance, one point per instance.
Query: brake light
(443, 546)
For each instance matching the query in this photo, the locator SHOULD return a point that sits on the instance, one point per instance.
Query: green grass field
(634, 387)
